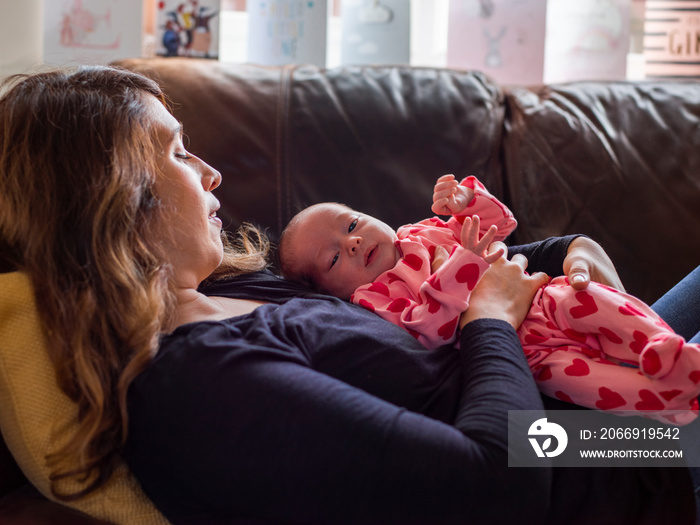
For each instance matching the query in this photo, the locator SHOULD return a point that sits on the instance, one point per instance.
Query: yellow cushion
(36, 416)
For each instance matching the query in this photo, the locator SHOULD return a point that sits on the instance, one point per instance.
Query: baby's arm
(427, 306)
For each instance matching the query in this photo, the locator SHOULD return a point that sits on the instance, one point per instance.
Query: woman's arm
(577, 256)
(545, 256)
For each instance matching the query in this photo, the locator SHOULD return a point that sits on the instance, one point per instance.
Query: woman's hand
(586, 261)
(505, 291)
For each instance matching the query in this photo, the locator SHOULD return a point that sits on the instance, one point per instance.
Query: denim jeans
(680, 308)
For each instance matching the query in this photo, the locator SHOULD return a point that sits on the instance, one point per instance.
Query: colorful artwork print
(92, 31)
(287, 31)
(188, 28)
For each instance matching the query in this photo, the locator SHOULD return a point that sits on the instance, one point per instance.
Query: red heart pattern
(640, 341)
(649, 401)
(447, 330)
(668, 395)
(364, 303)
(433, 304)
(694, 376)
(398, 305)
(469, 274)
(578, 367)
(379, 288)
(534, 338)
(628, 309)
(586, 307)
(651, 362)
(413, 261)
(609, 399)
(574, 335)
(610, 335)
(545, 373)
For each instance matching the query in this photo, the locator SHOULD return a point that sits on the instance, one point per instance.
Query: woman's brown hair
(77, 170)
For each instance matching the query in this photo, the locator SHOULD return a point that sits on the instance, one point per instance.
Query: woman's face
(189, 229)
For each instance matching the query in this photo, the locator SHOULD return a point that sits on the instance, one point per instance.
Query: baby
(599, 348)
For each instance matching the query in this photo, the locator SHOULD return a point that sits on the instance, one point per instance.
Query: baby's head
(335, 249)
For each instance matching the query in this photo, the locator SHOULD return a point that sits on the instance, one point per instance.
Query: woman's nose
(211, 178)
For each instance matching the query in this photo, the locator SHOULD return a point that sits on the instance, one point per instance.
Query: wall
(20, 36)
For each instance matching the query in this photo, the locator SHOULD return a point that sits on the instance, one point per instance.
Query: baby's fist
(449, 197)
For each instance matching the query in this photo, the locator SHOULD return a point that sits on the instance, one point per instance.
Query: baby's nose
(354, 244)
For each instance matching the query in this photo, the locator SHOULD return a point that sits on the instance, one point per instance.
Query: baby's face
(343, 248)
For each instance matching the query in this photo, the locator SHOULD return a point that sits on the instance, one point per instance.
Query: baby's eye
(335, 259)
(352, 225)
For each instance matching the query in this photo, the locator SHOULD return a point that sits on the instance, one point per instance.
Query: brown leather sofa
(617, 161)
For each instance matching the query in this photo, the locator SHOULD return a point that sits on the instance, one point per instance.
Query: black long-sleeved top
(311, 410)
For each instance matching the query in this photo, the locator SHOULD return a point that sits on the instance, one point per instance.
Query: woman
(237, 397)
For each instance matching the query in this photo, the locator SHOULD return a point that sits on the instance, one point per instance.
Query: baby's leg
(608, 327)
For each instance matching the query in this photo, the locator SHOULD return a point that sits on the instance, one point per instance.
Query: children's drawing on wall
(287, 31)
(477, 8)
(587, 39)
(503, 38)
(92, 31)
(493, 53)
(82, 27)
(376, 31)
(188, 28)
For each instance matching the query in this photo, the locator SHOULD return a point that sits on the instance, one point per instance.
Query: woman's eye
(352, 225)
(184, 156)
(335, 259)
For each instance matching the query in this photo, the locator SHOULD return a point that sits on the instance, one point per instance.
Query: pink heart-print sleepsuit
(598, 348)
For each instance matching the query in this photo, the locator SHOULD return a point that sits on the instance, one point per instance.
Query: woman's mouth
(215, 219)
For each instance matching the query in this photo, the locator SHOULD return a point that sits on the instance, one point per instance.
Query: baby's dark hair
(290, 267)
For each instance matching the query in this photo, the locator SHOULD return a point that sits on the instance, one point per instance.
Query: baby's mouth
(370, 255)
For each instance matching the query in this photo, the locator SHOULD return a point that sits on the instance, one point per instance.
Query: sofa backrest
(619, 161)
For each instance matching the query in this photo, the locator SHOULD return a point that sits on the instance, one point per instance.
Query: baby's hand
(470, 240)
(450, 197)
